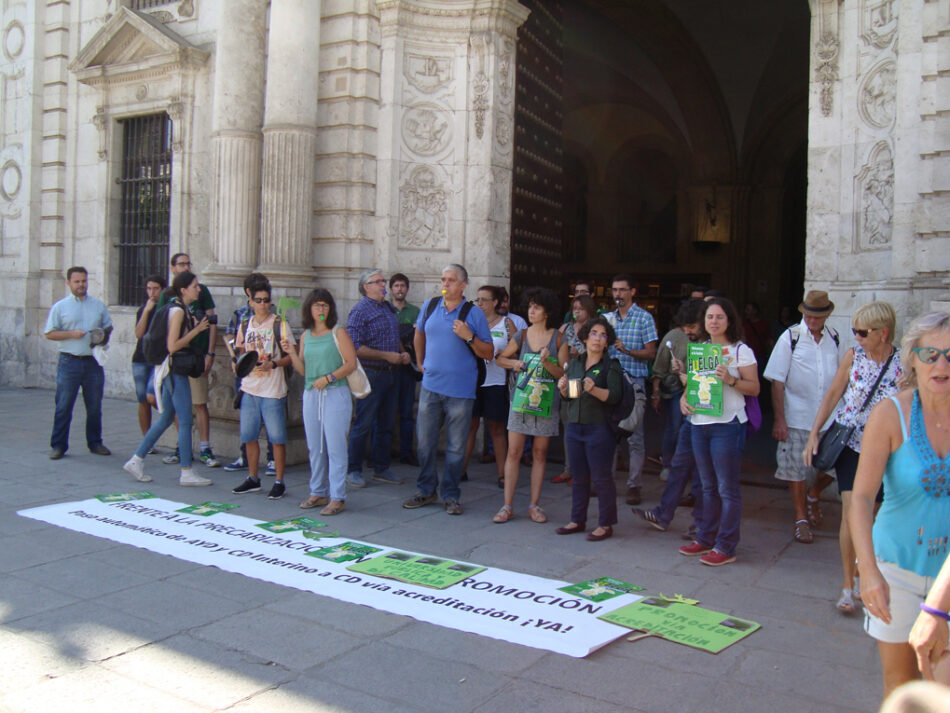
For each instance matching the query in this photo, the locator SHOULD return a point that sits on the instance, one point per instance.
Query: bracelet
(330, 378)
(936, 612)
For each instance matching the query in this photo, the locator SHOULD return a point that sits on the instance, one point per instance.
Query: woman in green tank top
(327, 404)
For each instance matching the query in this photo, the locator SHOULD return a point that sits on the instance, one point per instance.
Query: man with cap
(802, 365)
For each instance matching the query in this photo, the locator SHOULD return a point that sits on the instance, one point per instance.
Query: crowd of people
(874, 417)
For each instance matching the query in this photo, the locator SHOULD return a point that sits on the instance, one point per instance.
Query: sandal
(334, 508)
(536, 514)
(813, 511)
(503, 515)
(803, 532)
(564, 477)
(846, 602)
(313, 501)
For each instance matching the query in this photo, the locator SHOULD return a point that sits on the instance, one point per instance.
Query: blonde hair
(876, 315)
(924, 324)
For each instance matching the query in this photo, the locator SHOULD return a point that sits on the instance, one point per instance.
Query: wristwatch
(470, 340)
(330, 378)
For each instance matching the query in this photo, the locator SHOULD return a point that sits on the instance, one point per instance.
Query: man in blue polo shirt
(69, 323)
(446, 352)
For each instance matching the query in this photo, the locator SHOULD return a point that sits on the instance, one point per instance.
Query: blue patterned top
(864, 371)
(913, 526)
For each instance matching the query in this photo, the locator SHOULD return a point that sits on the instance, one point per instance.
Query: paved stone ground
(91, 625)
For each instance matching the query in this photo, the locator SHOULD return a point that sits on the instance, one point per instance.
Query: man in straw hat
(802, 365)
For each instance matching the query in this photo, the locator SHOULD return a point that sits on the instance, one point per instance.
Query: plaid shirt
(635, 332)
(373, 324)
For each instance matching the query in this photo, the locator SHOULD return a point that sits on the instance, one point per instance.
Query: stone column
(446, 132)
(290, 120)
(236, 140)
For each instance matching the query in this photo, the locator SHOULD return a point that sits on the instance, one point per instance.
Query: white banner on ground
(497, 603)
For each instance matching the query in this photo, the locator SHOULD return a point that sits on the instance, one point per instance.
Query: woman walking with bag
(534, 406)
(867, 374)
(327, 404)
(175, 388)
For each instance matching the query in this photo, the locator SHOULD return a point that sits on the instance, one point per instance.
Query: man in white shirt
(802, 365)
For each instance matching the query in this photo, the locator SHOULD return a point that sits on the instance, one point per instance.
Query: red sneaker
(694, 548)
(717, 558)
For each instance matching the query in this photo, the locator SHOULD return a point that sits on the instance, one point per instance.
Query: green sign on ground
(345, 552)
(601, 589)
(292, 524)
(208, 509)
(703, 387)
(124, 497)
(685, 624)
(433, 572)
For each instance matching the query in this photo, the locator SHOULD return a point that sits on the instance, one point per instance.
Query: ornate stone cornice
(503, 16)
(132, 46)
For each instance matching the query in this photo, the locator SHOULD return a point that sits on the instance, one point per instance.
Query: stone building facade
(310, 139)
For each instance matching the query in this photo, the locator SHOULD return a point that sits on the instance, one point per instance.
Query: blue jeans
(682, 466)
(270, 446)
(406, 386)
(273, 413)
(456, 413)
(637, 447)
(718, 451)
(590, 449)
(673, 418)
(375, 414)
(142, 376)
(326, 420)
(176, 401)
(71, 374)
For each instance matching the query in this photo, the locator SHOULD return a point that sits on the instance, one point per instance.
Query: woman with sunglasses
(907, 447)
(874, 356)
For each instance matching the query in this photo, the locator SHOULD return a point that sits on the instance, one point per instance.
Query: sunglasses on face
(863, 333)
(261, 300)
(930, 355)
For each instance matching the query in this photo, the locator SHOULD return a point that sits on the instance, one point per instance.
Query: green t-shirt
(197, 308)
(408, 314)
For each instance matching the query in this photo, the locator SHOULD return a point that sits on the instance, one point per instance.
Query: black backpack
(623, 408)
(463, 313)
(155, 341)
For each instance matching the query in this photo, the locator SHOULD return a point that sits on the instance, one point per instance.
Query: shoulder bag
(356, 379)
(834, 440)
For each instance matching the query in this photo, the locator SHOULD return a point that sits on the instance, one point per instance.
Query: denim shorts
(273, 413)
(142, 375)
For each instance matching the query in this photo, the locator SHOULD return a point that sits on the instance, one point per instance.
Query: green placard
(432, 572)
(345, 552)
(685, 624)
(534, 390)
(601, 589)
(703, 387)
(124, 497)
(208, 509)
(291, 525)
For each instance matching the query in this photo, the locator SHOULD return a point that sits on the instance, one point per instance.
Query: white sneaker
(665, 474)
(135, 467)
(190, 478)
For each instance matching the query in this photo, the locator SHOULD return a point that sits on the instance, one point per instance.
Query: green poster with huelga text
(694, 626)
(703, 387)
(433, 572)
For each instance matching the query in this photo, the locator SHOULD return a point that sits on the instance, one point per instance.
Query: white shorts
(908, 591)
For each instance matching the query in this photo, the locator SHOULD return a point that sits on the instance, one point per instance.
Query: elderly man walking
(802, 365)
(69, 323)
(450, 338)
(374, 329)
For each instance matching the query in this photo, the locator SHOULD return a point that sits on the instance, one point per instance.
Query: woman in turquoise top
(327, 404)
(907, 446)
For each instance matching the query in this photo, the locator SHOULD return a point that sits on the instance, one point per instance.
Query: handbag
(187, 362)
(356, 379)
(834, 440)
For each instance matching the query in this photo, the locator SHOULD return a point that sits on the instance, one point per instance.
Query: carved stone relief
(11, 181)
(875, 198)
(423, 211)
(877, 95)
(506, 74)
(426, 73)
(101, 122)
(503, 130)
(826, 70)
(878, 22)
(480, 82)
(426, 129)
